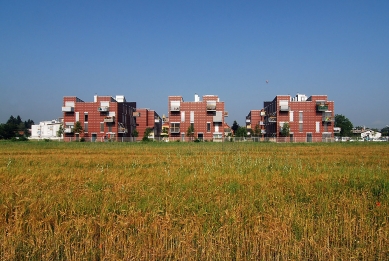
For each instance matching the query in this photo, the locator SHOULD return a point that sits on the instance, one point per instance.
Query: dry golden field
(194, 201)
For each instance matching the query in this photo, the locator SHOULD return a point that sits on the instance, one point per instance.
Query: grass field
(194, 201)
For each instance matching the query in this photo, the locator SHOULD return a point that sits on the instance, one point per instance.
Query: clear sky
(148, 50)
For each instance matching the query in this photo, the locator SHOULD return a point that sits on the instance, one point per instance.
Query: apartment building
(46, 130)
(106, 118)
(309, 118)
(255, 122)
(148, 119)
(206, 117)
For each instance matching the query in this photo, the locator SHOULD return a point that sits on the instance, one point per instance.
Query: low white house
(46, 130)
(370, 135)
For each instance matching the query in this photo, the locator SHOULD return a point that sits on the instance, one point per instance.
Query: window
(291, 116)
(85, 116)
(109, 127)
(101, 126)
(208, 127)
(85, 127)
(300, 116)
(175, 127)
(182, 116)
(300, 127)
(192, 116)
(318, 126)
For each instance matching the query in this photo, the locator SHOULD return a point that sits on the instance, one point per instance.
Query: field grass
(194, 201)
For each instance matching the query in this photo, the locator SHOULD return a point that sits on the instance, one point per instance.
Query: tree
(190, 131)
(345, 125)
(241, 132)
(235, 127)
(257, 131)
(15, 127)
(385, 131)
(78, 128)
(285, 129)
(146, 134)
(60, 131)
(135, 133)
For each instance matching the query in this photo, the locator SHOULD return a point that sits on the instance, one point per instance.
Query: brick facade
(148, 119)
(206, 116)
(309, 119)
(106, 118)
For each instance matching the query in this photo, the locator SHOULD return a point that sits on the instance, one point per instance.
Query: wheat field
(194, 201)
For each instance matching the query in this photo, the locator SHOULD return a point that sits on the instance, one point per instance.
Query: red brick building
(309, 119)
(106, 118)
(206, 117)
(255, 123)
(148, 119)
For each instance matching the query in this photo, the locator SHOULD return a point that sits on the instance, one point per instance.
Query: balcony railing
(109, 119)
(122, 130)
(211, 106)
(284, 108)
(68, 109)
(272, 119)
(321, 107)
(103, 108)
(226, 114)
(68, 130)
(328, 118)
(175, 108)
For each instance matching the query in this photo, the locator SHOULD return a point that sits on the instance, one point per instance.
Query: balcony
(321, 106)
(263, 113)
(68, 130)
(122, 130)
(218, 117)
(327, 117)
(109, 119)
(157, 120)
(284, 108)
(67, 109)
(103, 109)
(175, 108)
(248, 121)
(226, 114)
(272, 119)
(261, 123)
(211, 105)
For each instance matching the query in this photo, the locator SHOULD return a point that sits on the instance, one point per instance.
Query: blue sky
(148, 50)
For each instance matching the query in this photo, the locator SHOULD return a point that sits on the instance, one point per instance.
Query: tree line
(15, 128)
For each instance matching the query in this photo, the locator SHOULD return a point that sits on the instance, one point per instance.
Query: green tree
(241, 132)
(235, 127)
(146, 134)
(135, 133)
(285, 129)
(257, 130)
(78, 128)
(344, 124)
(385, 131)
(190, 131)
(60, 131)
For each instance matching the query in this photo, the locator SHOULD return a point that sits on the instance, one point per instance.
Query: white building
(370, 135)
(46, 130)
